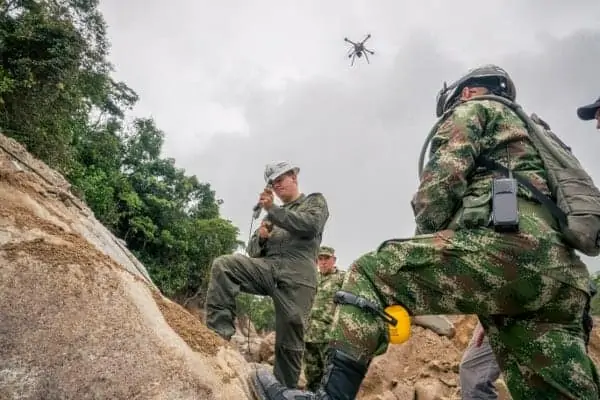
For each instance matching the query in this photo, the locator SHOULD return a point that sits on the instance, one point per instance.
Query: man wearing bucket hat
(281, 264)
(590, 112)
(321, 318)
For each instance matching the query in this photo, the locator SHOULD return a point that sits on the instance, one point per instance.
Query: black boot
(341, 381)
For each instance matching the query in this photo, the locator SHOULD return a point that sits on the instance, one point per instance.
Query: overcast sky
(236, 84)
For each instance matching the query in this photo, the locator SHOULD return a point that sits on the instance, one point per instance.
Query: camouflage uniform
(528, 289)
(479, 370)
(317, 338)
(282, 267)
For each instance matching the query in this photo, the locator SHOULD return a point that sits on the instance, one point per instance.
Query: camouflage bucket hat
(326, 251)
(276, 169)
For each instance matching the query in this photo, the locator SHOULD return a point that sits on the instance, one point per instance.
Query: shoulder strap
(541, 197)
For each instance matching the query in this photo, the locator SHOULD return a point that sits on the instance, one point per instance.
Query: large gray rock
(440, 324)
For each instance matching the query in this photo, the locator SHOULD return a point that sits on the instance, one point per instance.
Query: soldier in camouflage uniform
(281, 264)
(316, 340)
(479, 370)
(528, 288)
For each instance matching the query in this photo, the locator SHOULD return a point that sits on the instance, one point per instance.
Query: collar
(298, 200)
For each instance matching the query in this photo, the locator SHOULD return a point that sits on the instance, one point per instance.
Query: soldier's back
(505, 140)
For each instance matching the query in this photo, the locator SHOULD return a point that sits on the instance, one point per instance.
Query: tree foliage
(57, 97)
(260, 310)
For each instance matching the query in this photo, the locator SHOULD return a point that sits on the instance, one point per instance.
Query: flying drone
(358, 49)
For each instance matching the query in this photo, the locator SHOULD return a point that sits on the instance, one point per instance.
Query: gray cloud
(358, 140)
(356, 132)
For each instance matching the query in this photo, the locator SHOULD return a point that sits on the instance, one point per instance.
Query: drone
(358, 49)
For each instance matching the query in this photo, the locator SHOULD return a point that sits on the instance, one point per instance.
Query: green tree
(260, 310)
(57, 97)
(53, 73)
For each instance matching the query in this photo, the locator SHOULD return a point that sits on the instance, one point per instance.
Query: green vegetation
(260, 309)
(58, 99)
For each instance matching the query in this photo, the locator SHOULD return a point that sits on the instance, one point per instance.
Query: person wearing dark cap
(590, 112)
(316, 339)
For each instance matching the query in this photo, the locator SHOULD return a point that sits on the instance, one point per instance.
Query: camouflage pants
(314, 363)
(534, 322)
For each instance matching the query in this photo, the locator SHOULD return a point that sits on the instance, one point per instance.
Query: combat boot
(341, 381)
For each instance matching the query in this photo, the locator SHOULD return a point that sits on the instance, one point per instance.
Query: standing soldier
(528, 286)
(281, 265)
(330, 281)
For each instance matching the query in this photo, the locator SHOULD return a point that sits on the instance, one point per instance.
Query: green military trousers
(235, 273)
(315, 356)
(533, 320)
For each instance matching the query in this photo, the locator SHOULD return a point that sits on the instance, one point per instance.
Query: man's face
(469, 92)
(598, 119)
(326, 263)
(285, 186)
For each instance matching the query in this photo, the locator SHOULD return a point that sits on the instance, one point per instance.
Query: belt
(529, 206)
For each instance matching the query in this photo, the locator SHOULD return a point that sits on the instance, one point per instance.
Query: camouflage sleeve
(454, 149)
(310, 220)
(341, 281)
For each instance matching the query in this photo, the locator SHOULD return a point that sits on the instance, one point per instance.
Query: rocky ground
(425, 367)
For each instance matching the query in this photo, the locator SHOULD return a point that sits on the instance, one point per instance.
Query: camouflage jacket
(295, 239)
(321, 316)
(456, 192)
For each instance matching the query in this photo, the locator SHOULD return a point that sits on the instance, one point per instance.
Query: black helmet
(490, 76)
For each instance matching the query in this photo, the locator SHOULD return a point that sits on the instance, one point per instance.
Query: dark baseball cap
(588, 112)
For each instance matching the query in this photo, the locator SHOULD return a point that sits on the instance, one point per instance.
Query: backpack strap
(541, 197)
